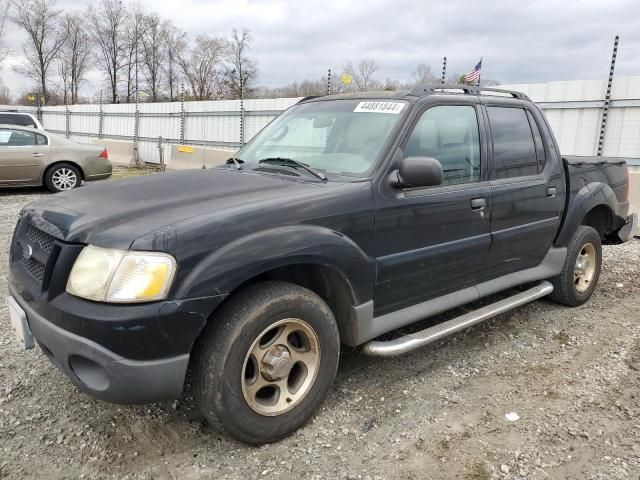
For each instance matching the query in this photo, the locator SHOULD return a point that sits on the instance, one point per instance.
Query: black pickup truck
(346, 218)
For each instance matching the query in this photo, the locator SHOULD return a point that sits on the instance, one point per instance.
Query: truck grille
(32, 249)
(43, 239)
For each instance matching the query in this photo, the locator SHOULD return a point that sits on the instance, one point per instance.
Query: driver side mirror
(419, 172)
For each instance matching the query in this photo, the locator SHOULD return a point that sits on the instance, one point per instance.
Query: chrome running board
(412, 341)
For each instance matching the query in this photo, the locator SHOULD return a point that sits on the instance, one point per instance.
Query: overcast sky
(520, 42)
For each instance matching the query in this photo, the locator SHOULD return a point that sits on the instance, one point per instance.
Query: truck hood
(114, 213)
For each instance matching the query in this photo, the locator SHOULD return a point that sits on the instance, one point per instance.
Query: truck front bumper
(97, 370)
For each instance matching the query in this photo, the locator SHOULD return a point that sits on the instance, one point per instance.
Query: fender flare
(590, 196)
(228, 267)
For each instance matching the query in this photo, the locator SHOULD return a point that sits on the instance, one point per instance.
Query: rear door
(527, 190)
(23, 153)
(433, 241)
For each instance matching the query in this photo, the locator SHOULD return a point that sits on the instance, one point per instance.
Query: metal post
(100, 117)
(136, 120)
(67, 114)
(329, 82)
(241, 112)
(607, 98)
(444, 70)
(39, 107)
(161, 154)
(182, 116)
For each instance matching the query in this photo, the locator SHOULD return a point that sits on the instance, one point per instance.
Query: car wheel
(581, 270)
(266, 362)
(62, 177)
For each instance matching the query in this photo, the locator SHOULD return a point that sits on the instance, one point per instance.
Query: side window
(41, 139)
(449, 133)
(17, 138)
(514, 151)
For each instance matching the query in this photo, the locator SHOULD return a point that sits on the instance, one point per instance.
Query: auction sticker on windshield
(380, 107)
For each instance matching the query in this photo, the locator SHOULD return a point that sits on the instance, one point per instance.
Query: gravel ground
(571, 376)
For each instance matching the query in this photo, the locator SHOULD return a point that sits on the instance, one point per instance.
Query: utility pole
(329, 82)
(444, 70)
(607, 97)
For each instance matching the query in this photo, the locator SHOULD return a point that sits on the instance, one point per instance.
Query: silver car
(30, 157)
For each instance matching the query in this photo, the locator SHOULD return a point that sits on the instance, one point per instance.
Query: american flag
(474, 74)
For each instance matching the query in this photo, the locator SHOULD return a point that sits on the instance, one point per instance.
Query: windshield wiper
(289, 162)
(236, 161)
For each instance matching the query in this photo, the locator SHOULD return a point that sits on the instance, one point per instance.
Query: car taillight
(104, 154)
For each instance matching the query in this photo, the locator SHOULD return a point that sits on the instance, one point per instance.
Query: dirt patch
(571, 375)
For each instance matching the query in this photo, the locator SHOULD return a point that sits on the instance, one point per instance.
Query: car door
(22, 156)
(528, 191)
(433, 241)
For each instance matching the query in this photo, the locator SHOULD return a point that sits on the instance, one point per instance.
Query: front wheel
(266, 361)
(581, 270)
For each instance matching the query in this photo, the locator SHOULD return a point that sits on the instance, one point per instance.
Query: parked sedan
(30, 157)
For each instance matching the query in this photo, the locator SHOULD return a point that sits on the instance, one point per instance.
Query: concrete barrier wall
(181, 157)
(634, 189)
(120, 153)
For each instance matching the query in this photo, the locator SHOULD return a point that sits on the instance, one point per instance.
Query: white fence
(211, 123)
(574, 109)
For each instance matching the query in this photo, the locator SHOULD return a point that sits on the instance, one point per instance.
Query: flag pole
(480, 72)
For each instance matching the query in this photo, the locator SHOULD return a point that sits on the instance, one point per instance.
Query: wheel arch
(594, 205)
(58, 162)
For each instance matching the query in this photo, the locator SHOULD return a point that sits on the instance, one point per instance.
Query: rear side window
(16, 138)
(450, 135)
(13, 119)
(514, 151)
(41, 139)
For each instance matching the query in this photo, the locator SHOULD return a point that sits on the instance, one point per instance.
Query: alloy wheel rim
(280, 367)
(64, 179)
(585, 267)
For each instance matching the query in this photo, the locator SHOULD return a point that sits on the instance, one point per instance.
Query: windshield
(337, 136)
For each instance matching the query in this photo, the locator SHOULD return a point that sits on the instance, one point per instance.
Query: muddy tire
(581, 270)
(266, 362)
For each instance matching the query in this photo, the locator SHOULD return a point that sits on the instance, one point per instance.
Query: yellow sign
(346, 79)
(185, 149)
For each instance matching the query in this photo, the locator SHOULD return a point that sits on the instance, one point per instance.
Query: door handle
(478, 203)
(551, 192)
(37, 154)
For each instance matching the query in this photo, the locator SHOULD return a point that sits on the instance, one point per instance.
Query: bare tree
(39, 20)
(75, 54)
(176, 46)
(107, 30)
(362, 75)
(423, 75)
(241, 70)
(153, 43)
(134, 30)
(202, 67)
(4, 14)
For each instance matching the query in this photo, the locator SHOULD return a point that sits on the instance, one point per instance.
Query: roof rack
(421, 90)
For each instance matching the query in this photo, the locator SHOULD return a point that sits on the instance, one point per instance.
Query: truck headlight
(121, 276)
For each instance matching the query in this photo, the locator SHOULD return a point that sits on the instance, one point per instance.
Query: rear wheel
(62, 177)
(266, 362)
(581, 270)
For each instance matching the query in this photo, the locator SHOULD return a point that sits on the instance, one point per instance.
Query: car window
(41, 139)
(16, 138)
(17, 119)
(514, 151)
(540, 153)
(449, 133)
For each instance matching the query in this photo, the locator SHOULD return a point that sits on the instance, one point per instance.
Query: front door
(433, 241)
(22, 155)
